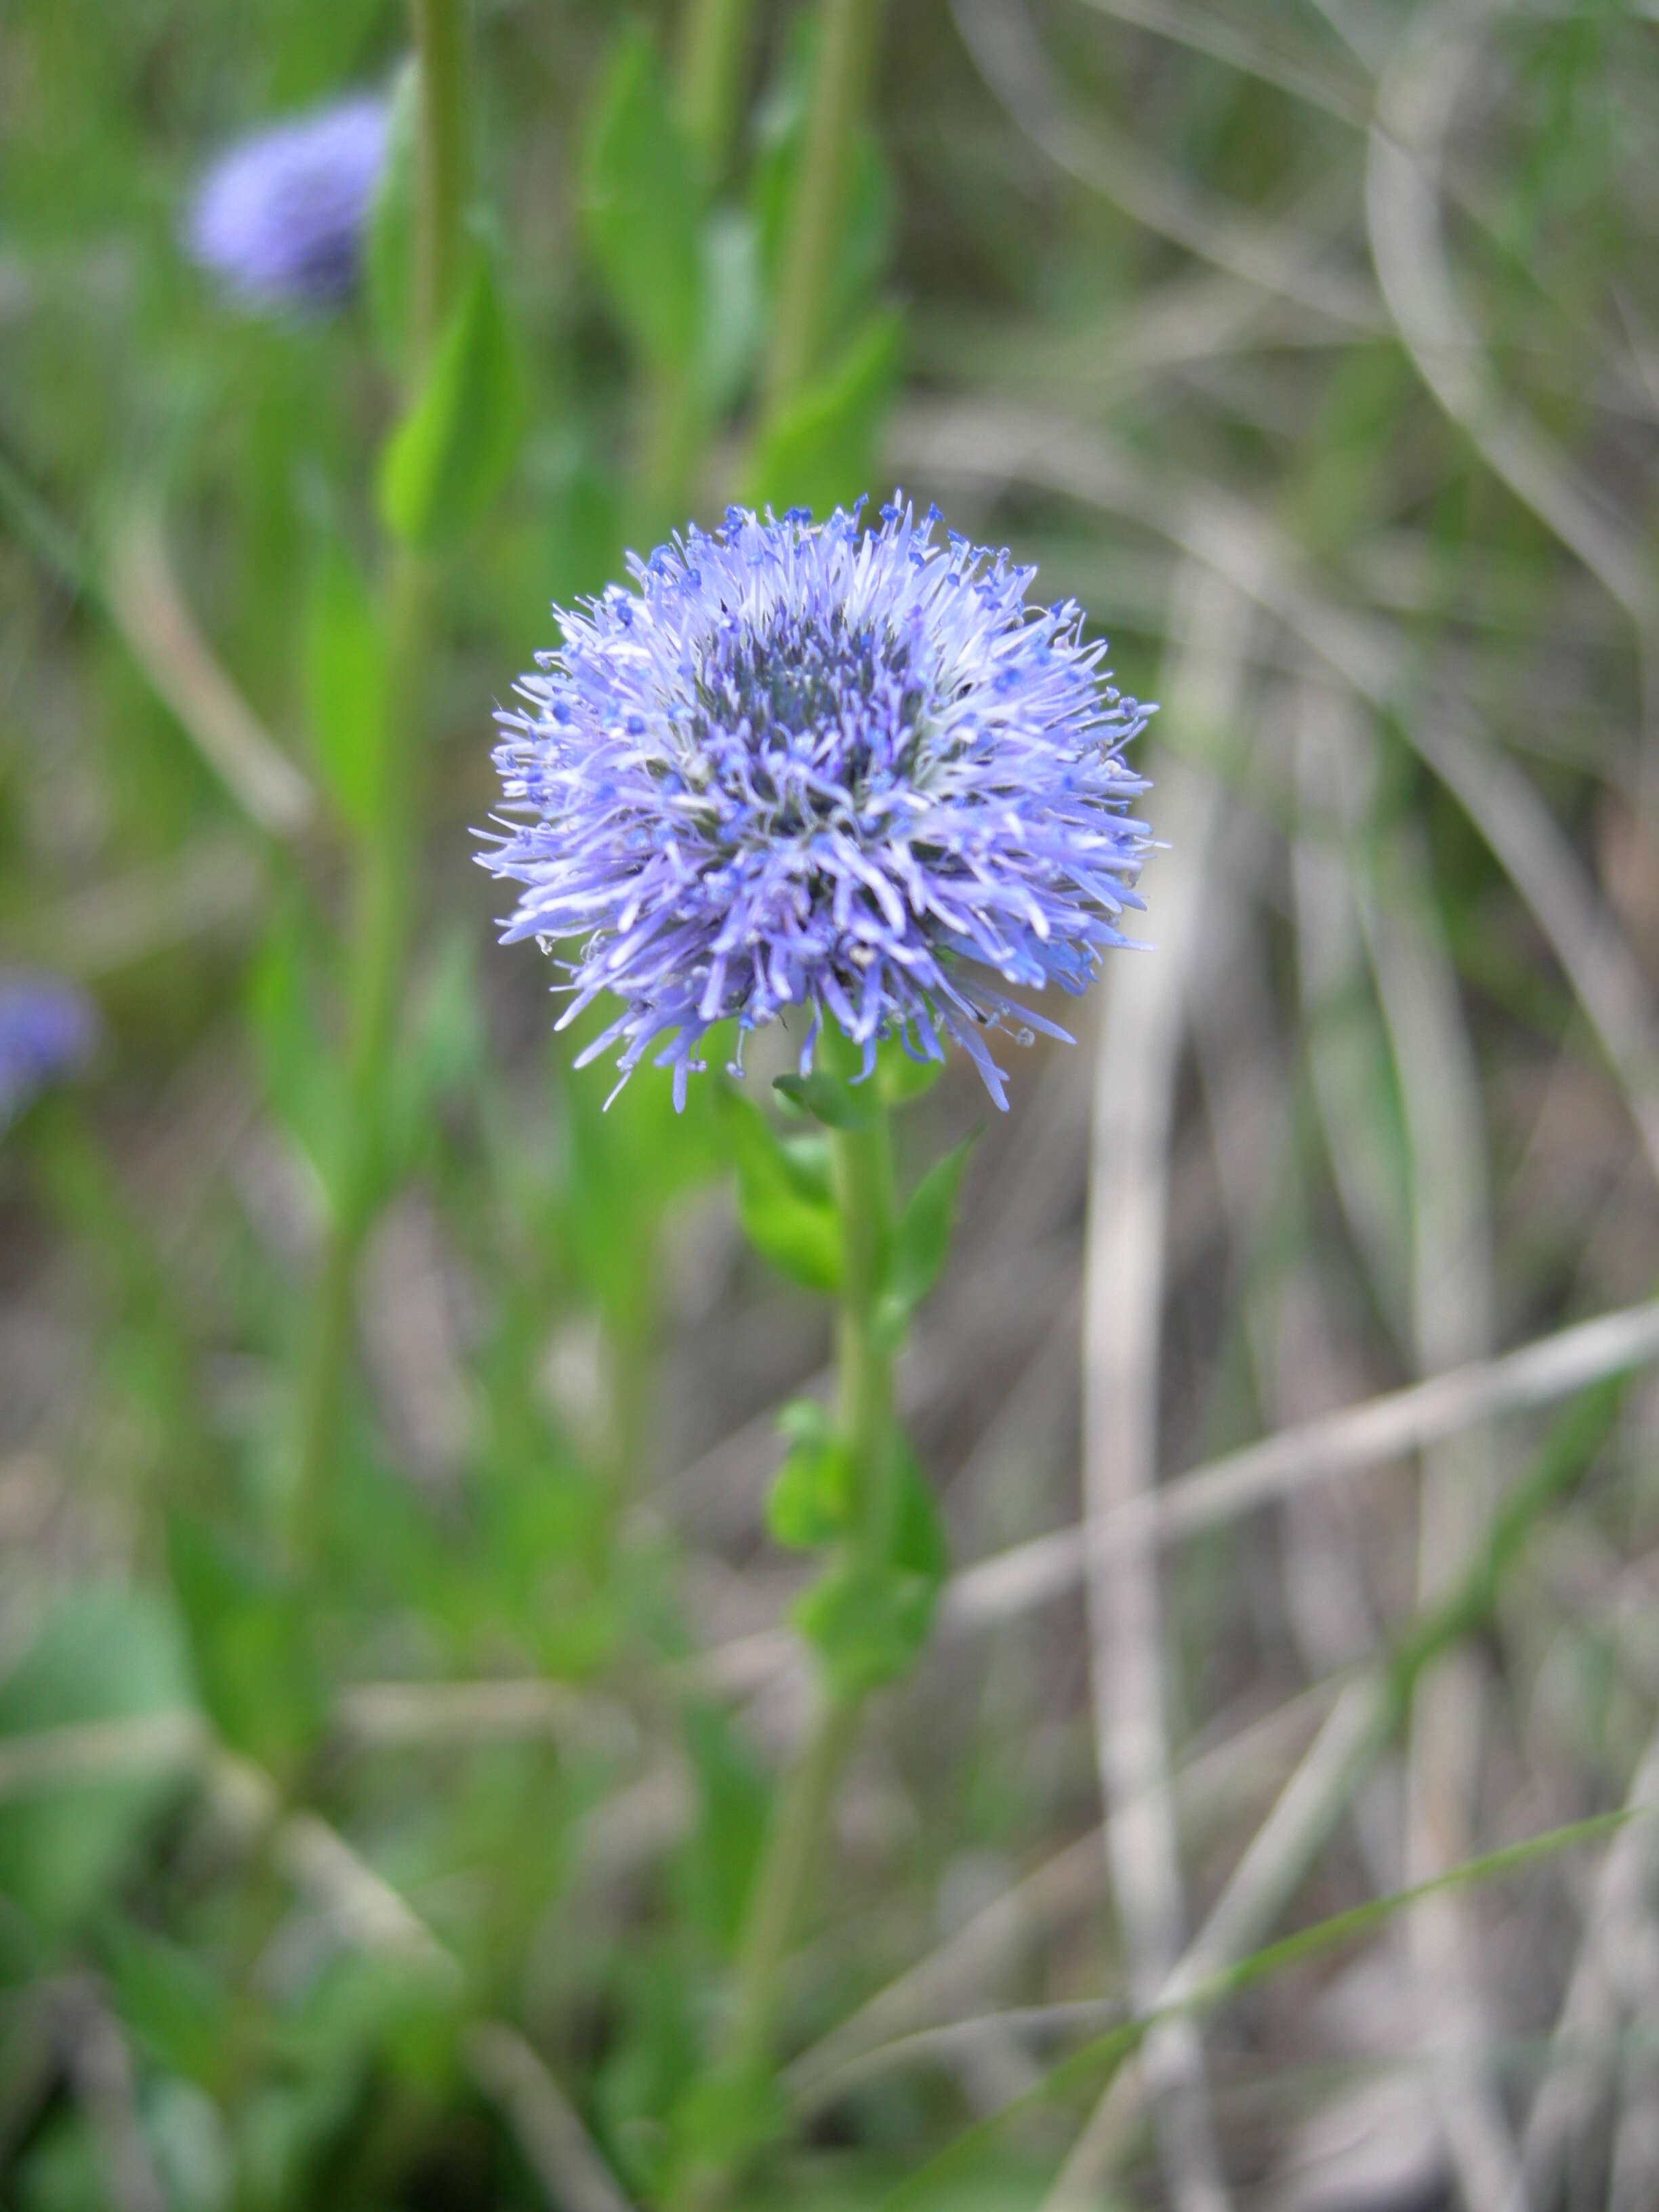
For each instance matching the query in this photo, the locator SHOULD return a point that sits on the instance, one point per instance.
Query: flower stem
(382, 888)
(861, 1176)
(440, 28)
(847, 39)
(381, 901)
(712, 57)
(794, 1847)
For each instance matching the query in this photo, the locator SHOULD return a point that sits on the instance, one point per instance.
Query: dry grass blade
(386, 1714)
(1135, 1075)
(1248, 52)
(145, 601)
(962, 1969)
(1587, 2025)
(1604, 973)
(1009, 56)
(1262, 1884)
(101, 2070)
(86, 1751)
(548, 2129)
(1452, 1303)
(213, 884)
(1004, 445)
(1416, 100)
(365, 1912)
(1320, 1450)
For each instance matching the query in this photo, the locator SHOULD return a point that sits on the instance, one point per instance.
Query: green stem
(793, 1850)
(382, 900)
(862, 1178)
(440, 28)
(673, 432)
(846, 42)
(382, 891)
(712, 60)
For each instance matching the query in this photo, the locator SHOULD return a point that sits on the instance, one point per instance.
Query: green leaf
(820, 451)
(641, 206)
(734, 1800)
(304, 1081)
(920, 1545)
(444, 1047)
(104, 1655)
(170, 1998)
(250, 1640)
(899, 1077)
(733, 320)
(868, 1624)
(811, 1497)
(722, 2119)
(831, 1098)
(920, 1243)
(454, 449)
(389, 240)
(787, 1214)
(346, 683)
(862, 249)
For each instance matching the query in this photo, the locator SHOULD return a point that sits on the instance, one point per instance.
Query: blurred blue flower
(279, 219)
(822, 766)
(47, 1028)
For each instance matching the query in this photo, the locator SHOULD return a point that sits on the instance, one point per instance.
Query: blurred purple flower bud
(279, 218)
(47, 1030)
(820, 766)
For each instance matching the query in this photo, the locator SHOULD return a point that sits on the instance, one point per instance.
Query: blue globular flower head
(47, 1030)
(840, 769)
(279, 219)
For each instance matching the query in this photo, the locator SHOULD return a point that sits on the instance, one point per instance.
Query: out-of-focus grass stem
(440, 28)
(847, 39)
(712, 53)
(381, 891)
(673, 436)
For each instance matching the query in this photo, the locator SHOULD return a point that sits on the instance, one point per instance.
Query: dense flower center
(804, 719)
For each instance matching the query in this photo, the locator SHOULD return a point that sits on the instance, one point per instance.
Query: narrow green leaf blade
(868, 1623)
(820, 450)
(453, 451)
(389, 239)
(1093, 2063)
(830, 1098)
(811, 1500)
(921, 1240)
(103, 1654)
(641, 206)
(783, 1217)
(346, 683)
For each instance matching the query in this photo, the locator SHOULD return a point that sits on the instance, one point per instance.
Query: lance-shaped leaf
(641, 207)
(453, 451)
(920, 1243)
(783, 1199)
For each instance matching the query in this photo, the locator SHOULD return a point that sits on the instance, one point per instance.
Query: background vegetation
(391, 1681)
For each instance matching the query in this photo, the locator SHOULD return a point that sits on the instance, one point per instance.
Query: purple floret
(47, 1030)
(279, 219)
(844, 769)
